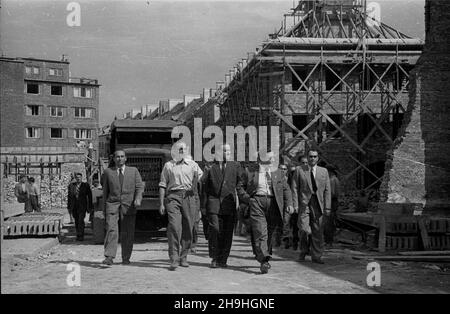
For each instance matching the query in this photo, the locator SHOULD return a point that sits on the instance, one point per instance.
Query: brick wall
(419, 168)
(11, 108)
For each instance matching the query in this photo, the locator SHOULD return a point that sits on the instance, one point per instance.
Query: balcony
(83, 80)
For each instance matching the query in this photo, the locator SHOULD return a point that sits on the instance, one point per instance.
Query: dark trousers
(195, 229)
(127, 223)
(265, 217)
(315, 220)
(181, 210)
(34, 203)
(290, 227)
(79, 215)
(330, 223)
(220, 236)
(205, 224)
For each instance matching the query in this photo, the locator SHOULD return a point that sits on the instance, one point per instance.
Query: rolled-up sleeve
(164, 177)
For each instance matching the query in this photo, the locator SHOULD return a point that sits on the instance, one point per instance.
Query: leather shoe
(108, 261)
(295, 246)
(126, 262)
(214, 264)
(184, 263)
(317, 261)
(265, 266)
(286, 244)
(301, 257)
(223, 265)
(173, 265)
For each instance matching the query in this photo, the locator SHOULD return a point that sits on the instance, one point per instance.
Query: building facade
(43, 109)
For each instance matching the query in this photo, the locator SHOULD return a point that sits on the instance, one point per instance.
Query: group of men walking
(271, 196)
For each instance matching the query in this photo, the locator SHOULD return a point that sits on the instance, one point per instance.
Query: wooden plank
(381, 233)
(427, 253)
(424, 258)
(424, 233)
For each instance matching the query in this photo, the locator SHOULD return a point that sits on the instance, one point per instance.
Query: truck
(147, 145)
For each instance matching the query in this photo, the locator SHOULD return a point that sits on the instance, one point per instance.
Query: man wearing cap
(312, 200)
(178, 196)
(268, 196)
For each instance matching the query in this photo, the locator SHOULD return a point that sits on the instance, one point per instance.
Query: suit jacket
(302, 189)
(84, 202)
(117, 199)
(219, 190)
(280, 187)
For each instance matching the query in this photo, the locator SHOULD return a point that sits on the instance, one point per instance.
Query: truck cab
(147, 145)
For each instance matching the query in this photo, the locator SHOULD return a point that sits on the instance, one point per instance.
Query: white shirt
(314, 169)
(263, 187)
(123, 170)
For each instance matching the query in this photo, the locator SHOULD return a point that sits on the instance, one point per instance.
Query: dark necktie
(77, 190)
(268, 180)
(313, 181)
(223, 168)
(121, 177)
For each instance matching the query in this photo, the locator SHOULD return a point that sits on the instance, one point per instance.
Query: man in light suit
(220, 183)
(122, 193)
(312, 199)
(268, 196)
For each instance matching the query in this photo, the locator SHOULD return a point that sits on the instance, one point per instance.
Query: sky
(144, 51)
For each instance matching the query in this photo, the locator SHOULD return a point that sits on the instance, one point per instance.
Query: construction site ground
(39, 265)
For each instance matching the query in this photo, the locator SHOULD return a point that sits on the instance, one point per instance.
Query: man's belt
(183, 193)
(264, 195)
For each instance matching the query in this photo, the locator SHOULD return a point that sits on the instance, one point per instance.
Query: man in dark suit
(79, 201)
(312, 198)
(220, 183)
(268, 195)
(122, 193)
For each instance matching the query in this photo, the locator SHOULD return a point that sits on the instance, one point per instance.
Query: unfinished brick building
(336, 80)
(418, 169)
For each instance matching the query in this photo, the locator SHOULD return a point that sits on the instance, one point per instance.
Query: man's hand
(296, 210)
(137, 203)
(290, 210)
(162, 209)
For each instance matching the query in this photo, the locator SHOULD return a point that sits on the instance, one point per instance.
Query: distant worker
(34, 195)
(177, 194)
(79, 201)
(122, 193)
(21, 192)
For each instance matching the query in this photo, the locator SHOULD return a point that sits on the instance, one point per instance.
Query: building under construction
(336, 80)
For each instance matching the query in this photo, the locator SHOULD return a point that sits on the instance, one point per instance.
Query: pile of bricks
(33, 224)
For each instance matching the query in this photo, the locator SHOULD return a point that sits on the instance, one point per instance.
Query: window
(82, 134)
(28, 70)
(56, 90)
(84, 92)
(56, 111)
(32, 88)
(337, 118)
(300, 121)
(302, 74)
(55, 72)
(32, 132)
(84, 112)
(32, 110)
(35, 70)
(332, 80)
(56, 133)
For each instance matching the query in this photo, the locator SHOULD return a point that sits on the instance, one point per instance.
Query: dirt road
(148, 272)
